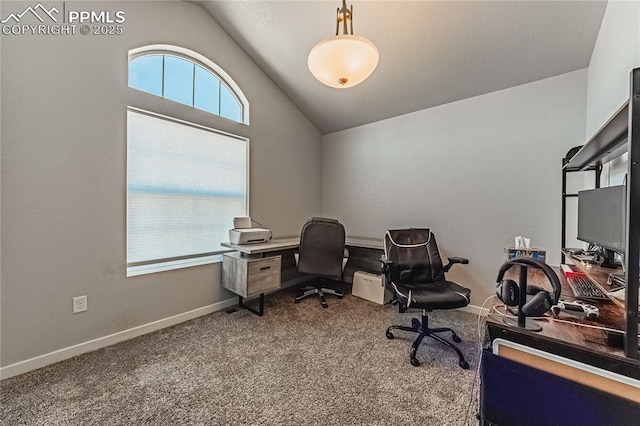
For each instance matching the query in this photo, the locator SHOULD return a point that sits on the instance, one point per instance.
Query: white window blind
(185, 184)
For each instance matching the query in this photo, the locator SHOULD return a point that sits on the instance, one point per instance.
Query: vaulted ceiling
(431, 52)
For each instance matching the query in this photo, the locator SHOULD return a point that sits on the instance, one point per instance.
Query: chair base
(320, 291)
(423, 329)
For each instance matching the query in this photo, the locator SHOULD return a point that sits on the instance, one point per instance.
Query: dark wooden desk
(587, 345)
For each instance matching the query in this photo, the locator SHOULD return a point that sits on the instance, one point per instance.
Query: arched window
(185, 181)
(186, 77)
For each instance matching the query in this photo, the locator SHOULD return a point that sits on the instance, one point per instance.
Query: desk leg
(259, 312)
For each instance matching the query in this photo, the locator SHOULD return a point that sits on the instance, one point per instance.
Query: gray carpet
(298, 365)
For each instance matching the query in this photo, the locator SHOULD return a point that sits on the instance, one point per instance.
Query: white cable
(597, 327)
(480, 316)
(505, 314)
(477, 374)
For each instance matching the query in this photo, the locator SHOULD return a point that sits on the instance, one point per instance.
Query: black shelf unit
(619, 135)
(565, 169)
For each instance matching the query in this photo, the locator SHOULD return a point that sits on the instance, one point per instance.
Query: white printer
(244, 233)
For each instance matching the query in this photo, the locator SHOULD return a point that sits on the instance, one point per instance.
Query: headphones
(510, 292)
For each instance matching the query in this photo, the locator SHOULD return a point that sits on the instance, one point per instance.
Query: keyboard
(584, 288)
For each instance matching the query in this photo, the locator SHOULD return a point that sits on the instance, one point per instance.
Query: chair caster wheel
(415, 323)
(416, 363)
(296, 301)
(464, 364)
(389, 335)
(456, 338)
(340, 297)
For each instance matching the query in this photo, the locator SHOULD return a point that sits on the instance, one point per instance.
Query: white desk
(365, 242)
(293, 242)
(261, 248)
(250, 253)
(231, 274)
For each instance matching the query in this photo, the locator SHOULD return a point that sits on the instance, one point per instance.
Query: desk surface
(271, 245)
(293, 242)
(570, 340)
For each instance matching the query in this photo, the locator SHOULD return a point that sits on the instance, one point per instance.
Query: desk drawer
(250, 276)
(263, 275)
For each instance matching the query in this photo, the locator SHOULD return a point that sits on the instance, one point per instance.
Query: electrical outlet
(79, 304)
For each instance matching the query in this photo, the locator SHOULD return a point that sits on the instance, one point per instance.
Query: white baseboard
(475, 310)
(101, 342)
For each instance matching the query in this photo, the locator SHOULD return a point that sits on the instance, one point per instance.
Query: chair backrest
(322, 243)
(415, 256)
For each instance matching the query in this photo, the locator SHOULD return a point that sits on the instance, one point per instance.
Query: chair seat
(412, 266)
(436, 295)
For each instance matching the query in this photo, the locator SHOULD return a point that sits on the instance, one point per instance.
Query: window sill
(133, 271)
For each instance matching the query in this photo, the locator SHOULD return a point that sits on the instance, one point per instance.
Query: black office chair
(322, 253)
(414, 272)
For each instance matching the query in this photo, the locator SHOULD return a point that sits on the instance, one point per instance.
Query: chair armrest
(453, 261)
(345, 258)
(385, 264)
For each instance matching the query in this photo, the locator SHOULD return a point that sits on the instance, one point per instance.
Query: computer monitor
(601, 218)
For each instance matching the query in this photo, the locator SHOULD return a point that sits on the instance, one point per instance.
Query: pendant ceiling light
(343, 60)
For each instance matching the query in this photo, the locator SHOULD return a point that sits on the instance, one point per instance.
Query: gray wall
(616, 53)
(63, 191)
(478, 172)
